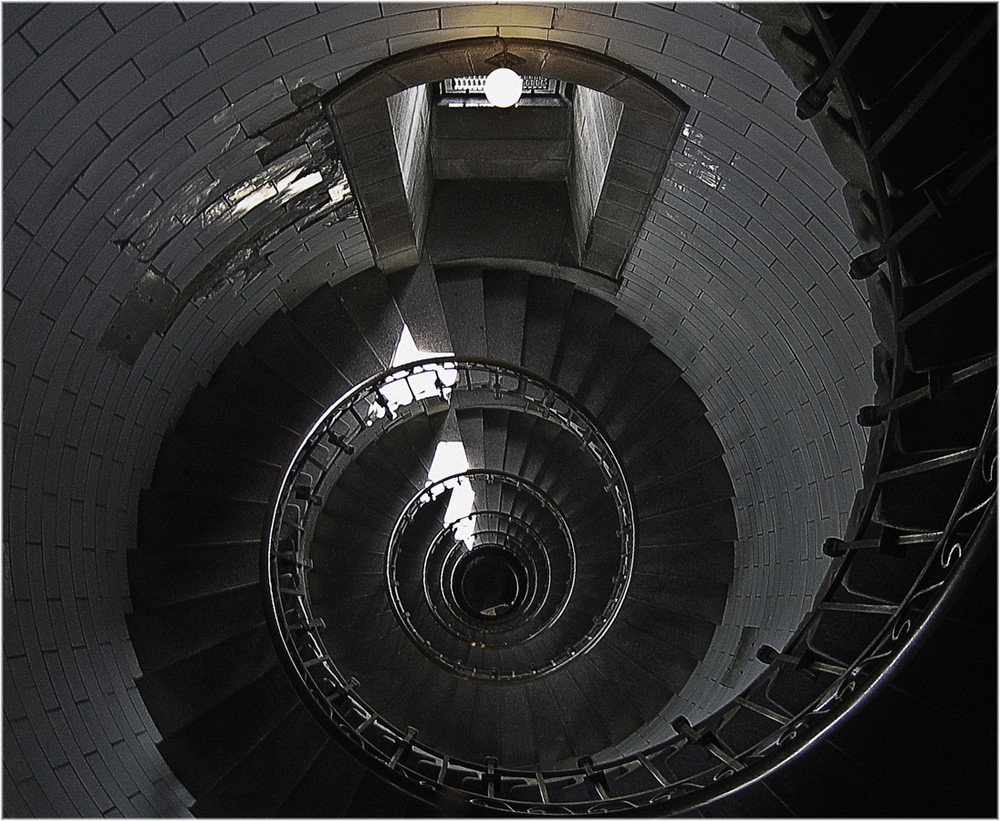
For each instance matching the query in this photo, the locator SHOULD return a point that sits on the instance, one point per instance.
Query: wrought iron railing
(807, 689)
(860, 630)
(352, 423)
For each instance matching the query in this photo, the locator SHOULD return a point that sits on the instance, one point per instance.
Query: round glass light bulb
(503, 87)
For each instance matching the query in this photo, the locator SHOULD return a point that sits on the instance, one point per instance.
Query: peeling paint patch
(138, 317)
(301, 182)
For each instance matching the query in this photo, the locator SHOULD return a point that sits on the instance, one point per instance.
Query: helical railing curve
(854, 637)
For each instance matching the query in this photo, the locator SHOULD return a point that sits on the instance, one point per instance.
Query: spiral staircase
(602, 616)
(494, 634)
(334, 619)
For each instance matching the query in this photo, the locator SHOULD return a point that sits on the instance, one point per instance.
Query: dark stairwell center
(372, 450)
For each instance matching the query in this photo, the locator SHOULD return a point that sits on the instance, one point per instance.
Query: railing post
(595, 777)
(706, 739)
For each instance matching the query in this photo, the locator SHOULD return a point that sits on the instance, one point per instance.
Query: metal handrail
(357, 417)
(612, 786)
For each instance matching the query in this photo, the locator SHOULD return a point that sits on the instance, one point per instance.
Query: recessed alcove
(610, 153)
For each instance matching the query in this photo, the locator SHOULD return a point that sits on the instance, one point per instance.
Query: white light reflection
(254, 198)
(449, 459)
(339, 192)
(248, 197)
(436, 380)
(695, 161)
(293, 184)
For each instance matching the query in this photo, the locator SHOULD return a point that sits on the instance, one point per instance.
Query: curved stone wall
(129, 131)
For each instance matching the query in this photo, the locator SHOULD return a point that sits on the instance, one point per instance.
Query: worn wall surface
(131, 135)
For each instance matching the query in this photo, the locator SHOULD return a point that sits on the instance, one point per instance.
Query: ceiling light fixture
(503, 84)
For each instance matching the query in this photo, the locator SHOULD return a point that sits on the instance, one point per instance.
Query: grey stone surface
(613, 28)
(592, 42)
(747, 237)
(121, 14)
(51, 24)
(199, 24)
(141, 33)
(17, 16)
(17, 56)
(41, 122)
(506, 15)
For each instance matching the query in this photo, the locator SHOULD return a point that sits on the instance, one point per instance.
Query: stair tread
(519, 748)
(652, 648)
(368, 301)
(325, 322)
(643, 688)
(210, 419)
(162, 577)
(423, 436)
(708, 521)
(165, 635)
(604, 706)
(371, 513)
(415, 291)
(496, 422)
(569, 718)
(551, 472)
(331, 547)
(402, 466)
(583, 334)
(695, 560)
(614, 690)
(367, 481)
(247, 383)
(259, 784)
(689, 448)
(210, 746)
(672, 409)
(622, 344)
(376, 798)
(548, 301)
(470, 423)
(707, 482)
(461, 291)
(516, 441)
(193, 468)
(282, 348)
(554, 743)
(327, 787)
(168, 519)
(188, 688)
(505, 298)
(452, 723)
(701, 599)
(650, 375)
(540, 446)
